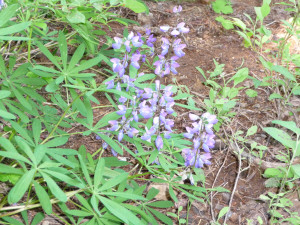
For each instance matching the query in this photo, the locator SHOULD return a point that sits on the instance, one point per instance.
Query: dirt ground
(206, 41)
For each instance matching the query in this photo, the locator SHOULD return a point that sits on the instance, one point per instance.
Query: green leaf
(62, 44)
(111, 143)
(285, 72)
(76, 56)
(21, 99)
(252, 130)
(15, 156)
(48, 54)
(7, 13)
(36, 130)
(240, 76)
(38, 218)
(7, 115)
(161, 216)
(291, 125)
(85, 171)
(4, 94)
(161, 204)
(76, 17)
(275, 96)
(125, 195)
(5, 169)
(227, 24)
(54, 188)
(251, 93)
(119, 211)
(43, 197)
(280, 136)
(13, 29)
(57, 142)
(296, 170)
(79, 213)
(12, 221)
(135, 6)
(24, 147)
(222, 6)
(113, 181)
(99, 172)
(17, 192)
(223, 212)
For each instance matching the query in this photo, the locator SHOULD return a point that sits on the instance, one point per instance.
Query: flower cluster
(1, 4)
(203, 138)
(166, 62)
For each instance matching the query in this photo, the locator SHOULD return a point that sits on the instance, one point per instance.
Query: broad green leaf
(36, 130)
(85, 171)
(37, 218)
(20, 130)
(54, 188)
(7, 13)
(12, 221)
(172, 193)
(17, 192)
(87, 64)
(84, 202)
(24, 147)
(222, 212)
(251, 93)
(280, 136)
(113, 182)
(15, 156)
(76, 56)
(21, 99)
(76, 17)
(59, 141)
(291, 125)
(161, 216)
(7, 145)
(275, 96)
(284, 71)
(7, 115)
(5, 169)
(252, 130)
(43, 197)
(64, 178)
(48, 54)
(119, 211)
(99, 172)
(4, 94)
(63, 47)
(135, 6)
(227, 24)
(240, 76)
(161, 204)
(14, 28)
(296, 170)
(79, 213)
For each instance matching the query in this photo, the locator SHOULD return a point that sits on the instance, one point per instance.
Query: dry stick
(235, 183)
(211, 195)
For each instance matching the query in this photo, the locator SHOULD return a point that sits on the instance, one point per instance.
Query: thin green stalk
(61, 119)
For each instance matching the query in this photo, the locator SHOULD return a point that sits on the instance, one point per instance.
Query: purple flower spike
(177, 9)
(159, 143)
(114, 124)
(118, 43)
(122, 110)
(146, 112)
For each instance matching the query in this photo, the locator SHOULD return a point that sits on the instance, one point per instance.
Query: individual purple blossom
(114, 125)
(110, 84)
(159, 143)
(180, 29)
(149, 133)
(120, 135)
(165, 46)
(192, 158)
(150, 41)
(122, 99)
(145, 110)
(131, 132)
(122, 110)
(118, 43)
(177, 47)
(177, 9)
(165, 28)
(135, 60)
(174, 64)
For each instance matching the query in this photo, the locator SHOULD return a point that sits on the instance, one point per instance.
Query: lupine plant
(39, 105)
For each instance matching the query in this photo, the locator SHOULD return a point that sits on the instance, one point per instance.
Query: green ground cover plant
(45, 103)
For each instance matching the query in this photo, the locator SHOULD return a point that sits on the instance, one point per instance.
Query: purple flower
(174, 64)
(180, 29)
(165, 28)
(167, 134)
(122, 99)
(114, 124)
(120, 135)
(110, 84)
(150, 41)
(122, 110)
(131, 132)
(118, 43)
(149, 133)
(192, 158)
(135, 59)
(177, 47)
(114, 152)
(177, 9)
(194, 117)
(159, 143)
(165, 46)
(145, 110)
